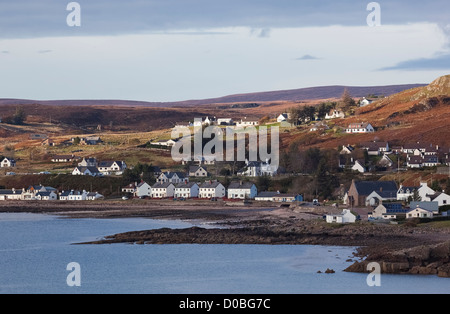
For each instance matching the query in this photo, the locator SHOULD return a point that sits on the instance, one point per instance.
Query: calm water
(35, 250)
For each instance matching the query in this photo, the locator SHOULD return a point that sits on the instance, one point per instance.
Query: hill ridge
(307, 93)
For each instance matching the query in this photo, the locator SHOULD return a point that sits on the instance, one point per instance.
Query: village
(384, 200)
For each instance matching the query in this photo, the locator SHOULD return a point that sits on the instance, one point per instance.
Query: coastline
(397, 248)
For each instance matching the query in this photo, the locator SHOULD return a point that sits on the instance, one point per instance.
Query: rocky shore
(405, 249)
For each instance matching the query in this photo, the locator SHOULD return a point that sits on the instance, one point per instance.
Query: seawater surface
(35, 250)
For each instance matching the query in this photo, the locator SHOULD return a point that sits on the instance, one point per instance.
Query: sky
(173, 50)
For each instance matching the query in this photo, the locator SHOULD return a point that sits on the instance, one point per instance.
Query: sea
(39, 255)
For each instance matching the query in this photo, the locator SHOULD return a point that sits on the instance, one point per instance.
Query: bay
(35, 250)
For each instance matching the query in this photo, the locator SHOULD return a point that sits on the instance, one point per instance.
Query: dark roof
(109, 163)
(159, 185)
(170, 175)
(184, 185)
(241, 185)
(195, 168)
(208, 184)
(367, 187)
(267, 194)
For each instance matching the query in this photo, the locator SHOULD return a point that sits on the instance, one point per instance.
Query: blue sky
(169, 50)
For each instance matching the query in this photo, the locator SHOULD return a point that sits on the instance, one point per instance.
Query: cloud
(440, 62)
(45, 51)
(26, 19)
(307, 57)
(5, 51)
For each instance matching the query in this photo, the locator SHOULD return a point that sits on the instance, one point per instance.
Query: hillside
(417, 114)
(310, 93)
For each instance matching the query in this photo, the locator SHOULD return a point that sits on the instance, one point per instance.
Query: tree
(19, 117)
(347, 100)
(263, 183)
(76, 141)
(436, 186)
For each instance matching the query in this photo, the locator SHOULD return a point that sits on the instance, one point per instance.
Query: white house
(198, 171)
(211, 189)
(377, 197)
(431, 206)
(246, 123)
(143, 189)
(242, 190)
(88, 162)
(64, 195)
(93, 196)
(225, 121)
(364, 102)
(63, 158)
(283, 117)
(266, 196)
(163, 190)
(8, 163)
(112, 167)
(187, 190)
(172, 177)
(345, 217)
(46, 196)
(86, 171)
(419, 213)
(360, 128)
(405, 192)
(130, 188)
(441, 198)
(335, 114)
(257, 168)
(425, 191)
(168, 143)
(358, 166)
(75, 195)
(12, 194)
(346, 150)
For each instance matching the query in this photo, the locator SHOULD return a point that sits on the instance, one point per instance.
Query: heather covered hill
(416, 114)
(310, 93)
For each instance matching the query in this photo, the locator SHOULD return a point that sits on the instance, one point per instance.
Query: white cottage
(419, 213)
(242, 190)
(360, 128)
(210, 189)
(143, 189)
(345, 217)
(46, 196)
(187, 190)
(163, 190)
(8, 163)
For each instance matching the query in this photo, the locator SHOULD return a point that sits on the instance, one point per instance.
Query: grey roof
(184, 185)
(267, 194)
(109, 163)
(43, 193)
(385, 187)
(159, 185)
(3, 192)
(171, 174)
(195, 168)
(431, 206)
(208, 185)
(241, 185)
(91, 169)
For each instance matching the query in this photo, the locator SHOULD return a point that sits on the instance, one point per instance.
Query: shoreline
(397, 248)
